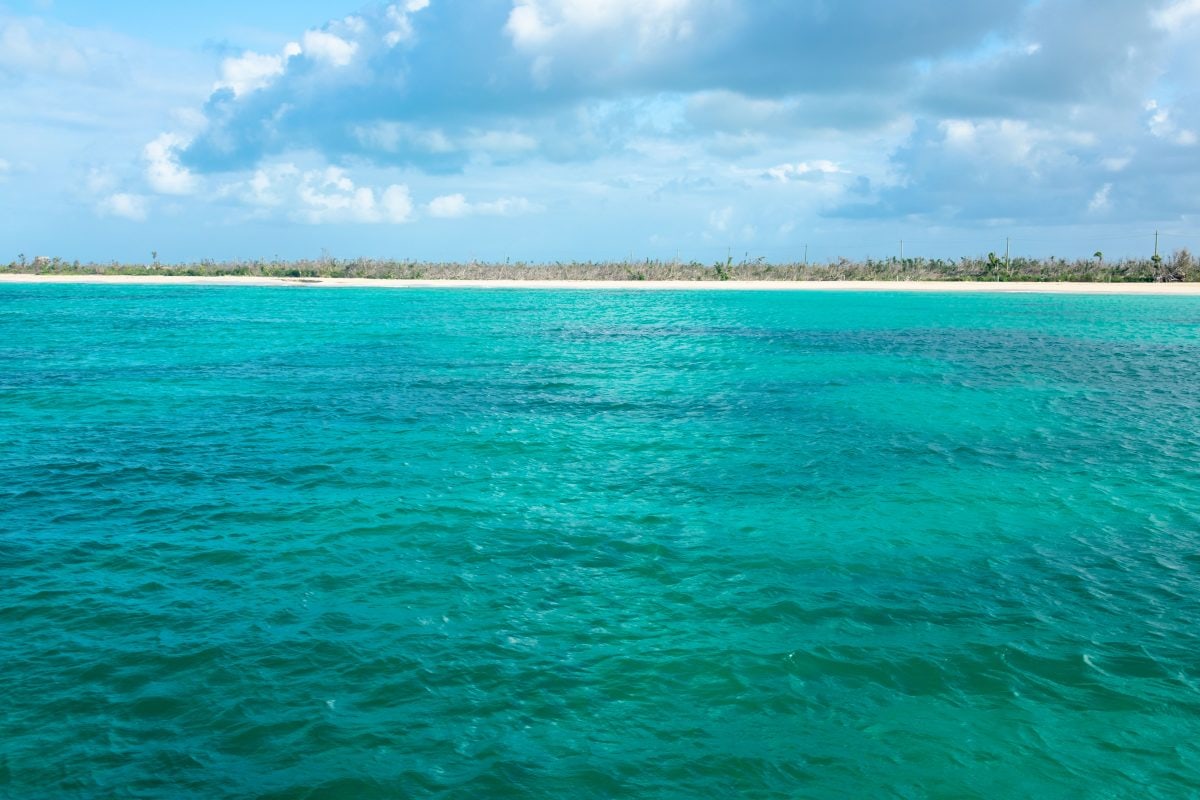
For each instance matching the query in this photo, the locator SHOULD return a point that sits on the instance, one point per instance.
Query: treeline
(1180, 266)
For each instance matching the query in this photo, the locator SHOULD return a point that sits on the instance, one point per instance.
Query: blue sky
(597, 129)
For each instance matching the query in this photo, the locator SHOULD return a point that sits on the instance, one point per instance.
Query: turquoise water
(484, 544)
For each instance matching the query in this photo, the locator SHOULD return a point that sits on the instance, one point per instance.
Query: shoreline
(1191, 289)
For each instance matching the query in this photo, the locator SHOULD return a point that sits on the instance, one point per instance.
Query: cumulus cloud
(163, 171)
(536, 23)
(124, 205)
(329, 48)
(937, 109)
(439, 150)
(320, 196)
(975, 171)
(449, 206)
(641, 30)
(1101, 201)
(252, 71)
(1174, 17)
(530, 66)
(455, 206)
(330, 196)
(267, 188)
(1091, 56)
(720, 219)
(803, 170)
(758, 48)
(1162, 126)
(32, 47)
(1013, 143)
(400, 17)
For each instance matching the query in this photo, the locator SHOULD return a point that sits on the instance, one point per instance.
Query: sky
(546, 130)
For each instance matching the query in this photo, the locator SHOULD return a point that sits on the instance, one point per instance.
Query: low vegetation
(1181, 266)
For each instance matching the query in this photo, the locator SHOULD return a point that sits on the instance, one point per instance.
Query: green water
(446, 543)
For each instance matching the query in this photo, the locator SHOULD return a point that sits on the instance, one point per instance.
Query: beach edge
(962, 287)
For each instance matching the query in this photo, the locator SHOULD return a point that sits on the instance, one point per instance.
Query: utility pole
(1158, 276)
(806, 255)
(901, 249)
(1007, 247)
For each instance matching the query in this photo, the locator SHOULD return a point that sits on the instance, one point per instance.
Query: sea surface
(317, 543)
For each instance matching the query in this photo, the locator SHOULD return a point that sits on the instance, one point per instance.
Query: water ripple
(521, 544)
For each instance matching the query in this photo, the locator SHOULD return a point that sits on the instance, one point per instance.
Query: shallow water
(453, 543)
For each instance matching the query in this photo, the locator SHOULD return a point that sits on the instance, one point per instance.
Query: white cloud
(755, 146)
(396, 204)
(163, 170)
(124, 205)
(5, 168)
(958, 132)
(526, 26)
(790, 172)
(330, 196)
(325, 46)
(28, 46)
(507, 207)
(262, 185)
(251, 71)
(455, 206)
(719, 220)
(355, 26)
(99, 180)
(399, 15)
(725, 228)
(1010, 142)
(1101, 201)
(640, 30)
(269, 187)
(535, 23)
(1163, 127)
(449, 206)
(318, 196)
(403, 137)
(1176, 16)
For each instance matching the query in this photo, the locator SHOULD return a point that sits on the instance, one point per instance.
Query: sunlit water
(451, 543)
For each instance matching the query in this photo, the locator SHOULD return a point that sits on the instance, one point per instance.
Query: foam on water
(452, 543)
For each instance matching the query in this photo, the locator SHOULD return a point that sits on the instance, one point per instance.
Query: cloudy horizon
(564, 129)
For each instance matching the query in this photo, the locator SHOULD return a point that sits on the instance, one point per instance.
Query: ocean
(444, 543)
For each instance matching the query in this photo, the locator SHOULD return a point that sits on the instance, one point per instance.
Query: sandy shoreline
(1178, 289)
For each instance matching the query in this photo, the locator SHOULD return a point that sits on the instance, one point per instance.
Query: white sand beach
(1179, 289)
